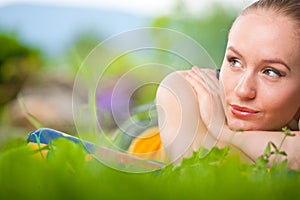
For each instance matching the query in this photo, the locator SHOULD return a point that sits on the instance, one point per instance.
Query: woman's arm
(189, 107)
(178, 117)
(254, 143)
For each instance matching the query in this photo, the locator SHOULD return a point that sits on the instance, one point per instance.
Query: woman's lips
(242, 112)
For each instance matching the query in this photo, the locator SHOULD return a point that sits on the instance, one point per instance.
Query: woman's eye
(272, 73)
(234, 62)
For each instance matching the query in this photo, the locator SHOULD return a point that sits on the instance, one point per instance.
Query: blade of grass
(29, 116)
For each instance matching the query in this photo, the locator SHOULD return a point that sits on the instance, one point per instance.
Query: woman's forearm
(254, 143)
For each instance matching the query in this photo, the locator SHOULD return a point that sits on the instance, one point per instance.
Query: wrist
(227, 135)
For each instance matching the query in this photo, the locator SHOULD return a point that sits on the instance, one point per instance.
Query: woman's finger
(197, 82)
(217, 120)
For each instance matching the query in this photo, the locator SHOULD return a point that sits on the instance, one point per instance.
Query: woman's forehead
(265, 35)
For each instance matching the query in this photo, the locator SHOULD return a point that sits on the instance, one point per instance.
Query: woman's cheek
(227, 83)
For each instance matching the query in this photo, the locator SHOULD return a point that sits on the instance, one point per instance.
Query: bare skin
(258, 92)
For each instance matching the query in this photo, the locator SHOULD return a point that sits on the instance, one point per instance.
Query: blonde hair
(288, 8)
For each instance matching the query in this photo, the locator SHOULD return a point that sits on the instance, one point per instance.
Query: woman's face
(260, 73)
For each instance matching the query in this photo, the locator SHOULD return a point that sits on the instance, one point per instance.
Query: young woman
(256, 95)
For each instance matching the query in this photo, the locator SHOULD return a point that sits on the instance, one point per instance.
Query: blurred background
(43, 43)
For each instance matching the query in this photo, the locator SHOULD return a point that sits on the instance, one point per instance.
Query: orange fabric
(43, 153)
(148, 145)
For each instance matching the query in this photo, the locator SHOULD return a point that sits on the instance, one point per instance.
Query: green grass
(66, 174)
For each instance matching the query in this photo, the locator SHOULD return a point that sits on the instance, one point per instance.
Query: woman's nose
(246, 87)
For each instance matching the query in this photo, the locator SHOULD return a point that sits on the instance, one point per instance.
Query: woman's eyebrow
(277, 61)
(231, 48)
(272, 61)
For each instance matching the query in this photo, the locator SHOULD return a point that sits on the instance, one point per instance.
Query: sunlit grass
(66, 173)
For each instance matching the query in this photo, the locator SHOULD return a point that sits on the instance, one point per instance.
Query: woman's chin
(234, 126)
(244, 126)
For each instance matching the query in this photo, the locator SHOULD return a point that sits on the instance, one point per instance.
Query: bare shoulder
(178, 114)
(195, 80)
(174, 82)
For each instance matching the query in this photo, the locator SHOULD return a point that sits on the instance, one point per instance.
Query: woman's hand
(207, 89)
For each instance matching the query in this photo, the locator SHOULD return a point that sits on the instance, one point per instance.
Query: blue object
(46, 135)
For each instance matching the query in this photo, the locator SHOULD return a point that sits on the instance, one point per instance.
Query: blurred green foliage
(17, 63)
(80, 48)
(66, 174)
(209, 29)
